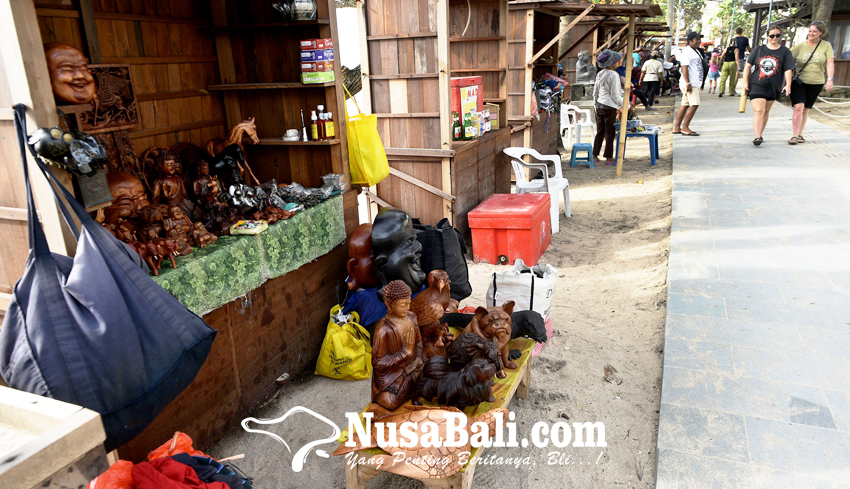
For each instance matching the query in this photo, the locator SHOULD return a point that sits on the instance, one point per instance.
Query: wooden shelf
(268, 86)
(483, 70)
(471, 39)
(271, 25)
(281, 142)
(493, 100)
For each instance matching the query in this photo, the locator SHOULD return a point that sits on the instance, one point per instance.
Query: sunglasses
(773, 36)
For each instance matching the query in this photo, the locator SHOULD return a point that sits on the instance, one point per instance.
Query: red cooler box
(511, 225)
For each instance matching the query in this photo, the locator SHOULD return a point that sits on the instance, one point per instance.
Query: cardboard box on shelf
(311, 44)
(313, 66)
(494, 116)
(318, 77)
(317, 55)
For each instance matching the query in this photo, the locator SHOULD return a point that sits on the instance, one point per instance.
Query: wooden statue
(201, 237)
(466, 347)
(168, 188)
(154, 217)
(494, 323)
(360, 259)
(472, 385)
(396, 350)
(396, 249)
(159, 249)
(246, 127)
(128, 197)
(70, 76)
(142, 250)
(178, 227)
(206, 187)
(429, 306)
(427, 462)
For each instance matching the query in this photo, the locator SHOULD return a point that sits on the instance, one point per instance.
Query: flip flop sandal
(793, 140)
(677, 132)
(758, 141)
(800, 139)
(690, 134)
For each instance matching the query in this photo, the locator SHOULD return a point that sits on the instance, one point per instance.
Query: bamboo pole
(627, 91)
(611, 39)
(561, 34)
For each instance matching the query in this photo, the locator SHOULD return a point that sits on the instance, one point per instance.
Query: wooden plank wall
(479, 52)
(172, 60)
(479, 170)
(516, 61)
(403, 63)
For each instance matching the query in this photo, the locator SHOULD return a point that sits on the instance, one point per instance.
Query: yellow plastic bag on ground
(366, 156)
(346, 351)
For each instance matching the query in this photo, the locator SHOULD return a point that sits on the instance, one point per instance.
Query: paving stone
(806, 316)
(695, 305)
(678, 470)
(768, 336)
(796, 368)
(839, 403)
(800, 449)
(775, 275)
(732, 394)
(703, 432)
(826, 342)
(698, 355)
(755, 291)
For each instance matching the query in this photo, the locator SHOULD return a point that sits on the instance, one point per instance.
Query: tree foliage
(721, 22)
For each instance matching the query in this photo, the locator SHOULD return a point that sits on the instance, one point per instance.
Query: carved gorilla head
(396, 250)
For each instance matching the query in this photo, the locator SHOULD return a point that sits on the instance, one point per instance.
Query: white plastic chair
(553, 185)
(572, 123)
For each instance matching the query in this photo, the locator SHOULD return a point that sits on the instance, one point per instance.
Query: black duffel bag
(443, 248)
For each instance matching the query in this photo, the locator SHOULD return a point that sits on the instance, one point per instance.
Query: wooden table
(517, 382)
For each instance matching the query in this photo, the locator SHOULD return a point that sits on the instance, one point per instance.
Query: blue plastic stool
(575, 160)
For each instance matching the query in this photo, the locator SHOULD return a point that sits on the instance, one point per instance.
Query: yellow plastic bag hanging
(346, 351)
(366, 156)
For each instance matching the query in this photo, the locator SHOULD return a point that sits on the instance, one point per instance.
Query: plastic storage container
(512, 226)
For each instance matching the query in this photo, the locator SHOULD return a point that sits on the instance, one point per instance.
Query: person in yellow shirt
(813, 57)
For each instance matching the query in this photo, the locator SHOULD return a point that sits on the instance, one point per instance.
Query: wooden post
(91, 32)
(529, 70)
(226, 67)
(366, 87)
(590, 31)
(627, 91)
(444, 68)
(27, 81)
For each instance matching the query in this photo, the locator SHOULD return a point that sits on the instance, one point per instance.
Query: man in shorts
(690, 82)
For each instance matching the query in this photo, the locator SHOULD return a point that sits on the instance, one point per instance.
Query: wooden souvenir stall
(529, 30)
(409, 52)
(534, 34)
(197, 68)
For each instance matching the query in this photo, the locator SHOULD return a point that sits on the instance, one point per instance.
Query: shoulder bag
(796, 79)
(95, 330)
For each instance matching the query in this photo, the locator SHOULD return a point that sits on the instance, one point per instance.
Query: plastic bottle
(322, 136)
(314, 127)
(330, 131)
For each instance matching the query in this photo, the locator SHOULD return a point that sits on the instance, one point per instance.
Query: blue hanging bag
(95, 330)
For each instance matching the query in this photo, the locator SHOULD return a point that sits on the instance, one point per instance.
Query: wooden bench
(516, 382)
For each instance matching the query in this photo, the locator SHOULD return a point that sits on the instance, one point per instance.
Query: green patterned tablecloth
(231, 267)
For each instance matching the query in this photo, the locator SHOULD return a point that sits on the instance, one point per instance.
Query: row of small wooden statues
(414, 356)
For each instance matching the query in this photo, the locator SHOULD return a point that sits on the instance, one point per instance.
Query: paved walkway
(756, 383)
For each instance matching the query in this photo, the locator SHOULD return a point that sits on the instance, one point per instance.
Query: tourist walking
(713, 73)
(690, 82)
(813, 57)
(768, 73)
(729, 69)
(743, 45)
(607, 100)
(650, 77)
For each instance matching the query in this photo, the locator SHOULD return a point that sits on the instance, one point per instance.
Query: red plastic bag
(180, 443)
(118, 476)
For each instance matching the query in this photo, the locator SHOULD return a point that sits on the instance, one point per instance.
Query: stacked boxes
(317, 61)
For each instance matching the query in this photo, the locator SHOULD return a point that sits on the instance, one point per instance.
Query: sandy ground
(609, 309)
